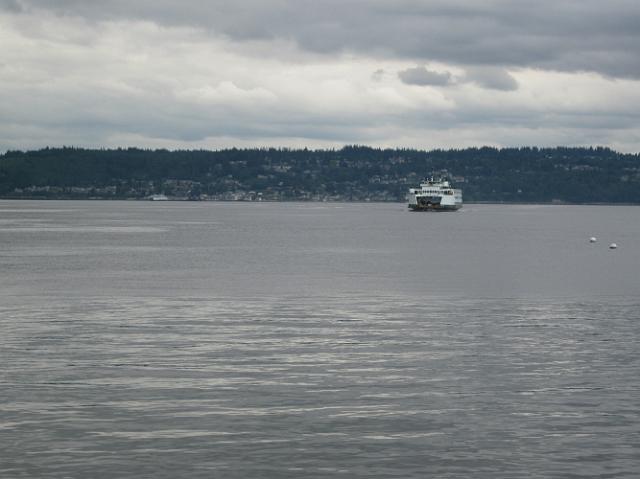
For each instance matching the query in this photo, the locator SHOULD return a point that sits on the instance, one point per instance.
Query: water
(318, 340)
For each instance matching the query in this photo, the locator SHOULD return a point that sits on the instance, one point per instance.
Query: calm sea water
(240, 340)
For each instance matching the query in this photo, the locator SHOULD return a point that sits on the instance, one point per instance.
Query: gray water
(318, 340)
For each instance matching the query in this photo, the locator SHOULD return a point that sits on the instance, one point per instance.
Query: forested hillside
(354, 173)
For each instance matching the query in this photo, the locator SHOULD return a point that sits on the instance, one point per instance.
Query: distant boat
(435, 195)
(159, 198)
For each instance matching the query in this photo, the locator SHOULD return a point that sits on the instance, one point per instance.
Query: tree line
(576, 175)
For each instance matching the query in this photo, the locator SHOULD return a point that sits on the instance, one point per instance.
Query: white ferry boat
(435, 195)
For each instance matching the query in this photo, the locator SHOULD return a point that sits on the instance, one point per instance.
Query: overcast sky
(319, 73)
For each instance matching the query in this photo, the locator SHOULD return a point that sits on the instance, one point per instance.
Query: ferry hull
(432, 207)
(434, 203)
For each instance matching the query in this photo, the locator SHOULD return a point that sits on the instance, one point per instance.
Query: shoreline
(185, 200)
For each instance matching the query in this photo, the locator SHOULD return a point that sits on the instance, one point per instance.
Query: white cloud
(565, 35)
(97, 78)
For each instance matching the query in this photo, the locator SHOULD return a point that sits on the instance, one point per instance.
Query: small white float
(592, 239)
(613, 246)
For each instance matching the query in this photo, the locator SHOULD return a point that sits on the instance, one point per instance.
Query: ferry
(435, 195)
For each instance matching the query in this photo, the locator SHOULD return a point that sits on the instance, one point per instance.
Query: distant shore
(301, 200)
(525, 175)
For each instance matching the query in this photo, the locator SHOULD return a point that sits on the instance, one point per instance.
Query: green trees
(351, 173)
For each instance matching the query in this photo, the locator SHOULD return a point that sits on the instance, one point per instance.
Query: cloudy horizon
(317, 74)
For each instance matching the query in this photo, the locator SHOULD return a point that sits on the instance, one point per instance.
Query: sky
(319, 73)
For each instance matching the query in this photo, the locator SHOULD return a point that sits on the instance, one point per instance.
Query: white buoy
(613, 246)
(592, 239)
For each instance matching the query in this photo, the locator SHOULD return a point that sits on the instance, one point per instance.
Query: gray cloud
(10, 6)
(492, 78)
(299, 72)
(423, 77)
(569, 35)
